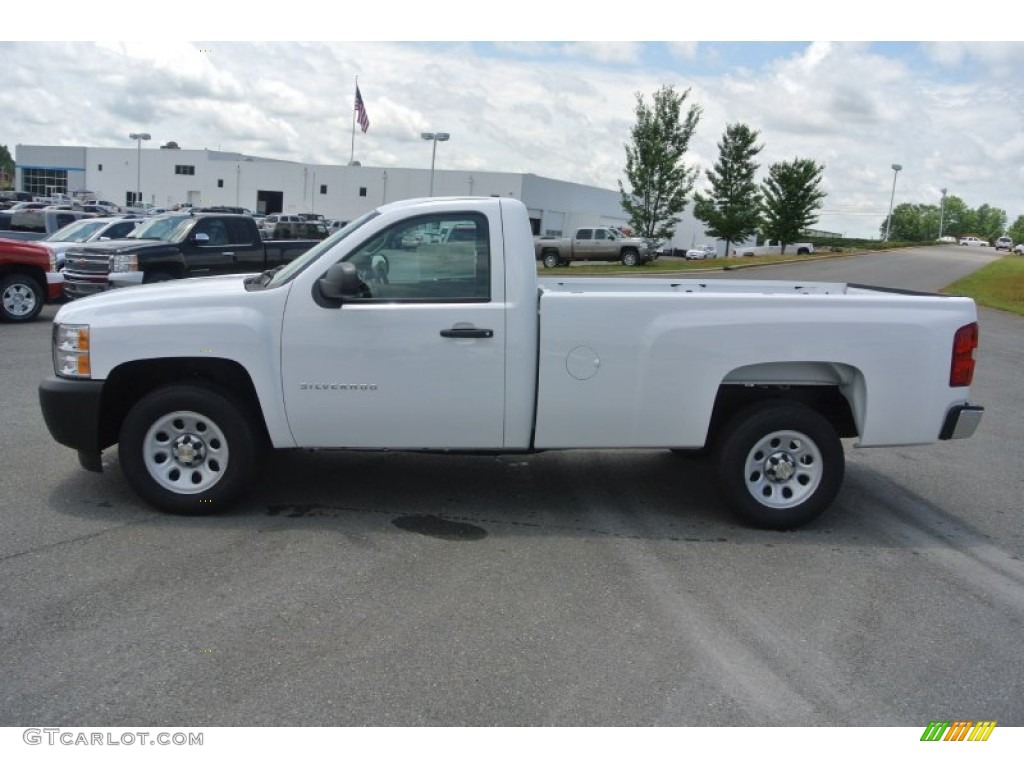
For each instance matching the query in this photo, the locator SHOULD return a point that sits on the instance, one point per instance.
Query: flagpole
(352, 156)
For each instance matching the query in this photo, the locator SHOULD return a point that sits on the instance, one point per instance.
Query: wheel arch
(130, 382)
(836, 390)
(28, 270)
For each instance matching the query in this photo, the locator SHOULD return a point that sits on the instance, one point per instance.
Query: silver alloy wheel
(185, 452)
(19, 299)
(783, 469)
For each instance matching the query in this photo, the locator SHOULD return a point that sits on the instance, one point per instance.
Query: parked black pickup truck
(174, 246)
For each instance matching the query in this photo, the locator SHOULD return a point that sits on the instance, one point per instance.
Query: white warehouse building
(170, 176)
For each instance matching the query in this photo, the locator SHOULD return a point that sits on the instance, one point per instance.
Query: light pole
(942, 211)
(434, 137)
(139, 138)
(896, 168)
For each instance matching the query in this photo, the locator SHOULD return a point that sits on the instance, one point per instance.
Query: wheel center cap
(780, 467)
(189, 450)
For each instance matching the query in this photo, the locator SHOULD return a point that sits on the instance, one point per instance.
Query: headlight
(124, 262)
(71, 351)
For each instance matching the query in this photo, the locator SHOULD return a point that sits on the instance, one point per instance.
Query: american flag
(361, 116)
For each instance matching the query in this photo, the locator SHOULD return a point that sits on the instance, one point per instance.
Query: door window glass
(439, 258)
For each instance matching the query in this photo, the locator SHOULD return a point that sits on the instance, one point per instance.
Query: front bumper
(54, 286)
(76, 287)
(961, 422)
(71, 410)
(125, 279)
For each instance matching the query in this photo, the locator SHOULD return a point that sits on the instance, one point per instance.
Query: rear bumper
(961, 422)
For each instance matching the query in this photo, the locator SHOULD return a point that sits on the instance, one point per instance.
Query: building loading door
(268, 201)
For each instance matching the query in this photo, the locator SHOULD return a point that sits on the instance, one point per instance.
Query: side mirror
(341, 282)
(200, 238)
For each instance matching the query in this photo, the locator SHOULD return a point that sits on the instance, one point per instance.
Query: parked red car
(28, 279)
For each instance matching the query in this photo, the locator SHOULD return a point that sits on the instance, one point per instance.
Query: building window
(323, 189)
(185, 170)
(220, 183)
(44, 182)
(362, 191)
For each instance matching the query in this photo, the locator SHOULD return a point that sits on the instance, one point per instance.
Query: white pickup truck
(361, 343)
(775, 248)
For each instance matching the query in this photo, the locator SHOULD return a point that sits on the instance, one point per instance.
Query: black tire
(552, 260)
(802, 252)
(780, 464)
(630, 258)
(21, 298)
(188, 449)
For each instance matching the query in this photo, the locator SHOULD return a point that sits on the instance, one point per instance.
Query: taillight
(961, 370)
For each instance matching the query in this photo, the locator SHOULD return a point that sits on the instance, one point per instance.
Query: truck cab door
(583, 244)
(208, 250)
(417, 360)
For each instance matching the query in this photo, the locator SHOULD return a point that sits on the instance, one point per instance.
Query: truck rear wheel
(21, 298)
(780, 464)
(188, 449)
(630, 258)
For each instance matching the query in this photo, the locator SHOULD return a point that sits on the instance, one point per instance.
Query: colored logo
(958, 730)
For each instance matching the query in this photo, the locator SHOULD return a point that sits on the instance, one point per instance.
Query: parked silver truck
(593, 244)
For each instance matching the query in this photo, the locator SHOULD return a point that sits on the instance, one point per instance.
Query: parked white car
(701, 252)
(106, 205)
(972, 240)
(87, 231)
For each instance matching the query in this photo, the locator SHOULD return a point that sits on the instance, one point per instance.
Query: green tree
(731, 211)
(791, 199)
(990, 222)
(958, 219)
(1016, 230)
(659, 180)
(913, 222)
(6, 167)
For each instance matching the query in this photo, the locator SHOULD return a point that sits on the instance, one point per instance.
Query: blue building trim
(20, 167)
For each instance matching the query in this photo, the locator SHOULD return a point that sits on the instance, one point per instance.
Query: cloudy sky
(951, 113)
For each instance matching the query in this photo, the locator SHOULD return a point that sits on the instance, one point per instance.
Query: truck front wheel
(21, 298)
(188, 449)
(780, 464)
(552, 260)
(630, 258)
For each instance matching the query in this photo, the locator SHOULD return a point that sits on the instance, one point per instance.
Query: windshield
(166, 228)
(75, 232)
(290, 271)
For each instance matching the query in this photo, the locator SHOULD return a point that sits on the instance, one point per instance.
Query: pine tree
(731, 211)
(792, 197)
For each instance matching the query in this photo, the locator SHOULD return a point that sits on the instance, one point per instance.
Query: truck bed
(644, 359)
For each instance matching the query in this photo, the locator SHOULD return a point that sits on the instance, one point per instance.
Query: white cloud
(558, 110)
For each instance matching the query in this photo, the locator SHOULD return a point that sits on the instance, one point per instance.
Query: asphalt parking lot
(576, 588)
